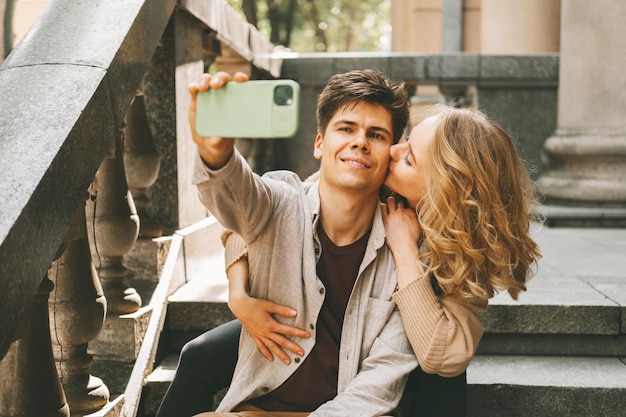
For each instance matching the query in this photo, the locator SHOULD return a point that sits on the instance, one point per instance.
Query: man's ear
(317, 150)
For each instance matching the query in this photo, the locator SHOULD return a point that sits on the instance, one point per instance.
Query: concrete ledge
(546, 386)
(544, 371)
(553, 319)
(552, 344)
(568, 216)
(446, 68)
(316, 68)
(538, 69)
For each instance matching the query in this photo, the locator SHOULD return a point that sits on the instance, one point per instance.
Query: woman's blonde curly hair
(476, 212)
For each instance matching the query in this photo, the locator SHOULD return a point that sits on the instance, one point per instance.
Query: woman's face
(409, 162)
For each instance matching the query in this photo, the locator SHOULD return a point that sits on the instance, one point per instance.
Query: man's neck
(346, 217)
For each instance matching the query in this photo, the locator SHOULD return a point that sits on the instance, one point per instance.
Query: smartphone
(251, 109)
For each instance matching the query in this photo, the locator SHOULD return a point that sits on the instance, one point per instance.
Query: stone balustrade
(69, 103)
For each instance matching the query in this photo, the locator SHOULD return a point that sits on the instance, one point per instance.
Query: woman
(459, 234)
(466, 228)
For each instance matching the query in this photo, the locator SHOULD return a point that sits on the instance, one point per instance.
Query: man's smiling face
(354, 149)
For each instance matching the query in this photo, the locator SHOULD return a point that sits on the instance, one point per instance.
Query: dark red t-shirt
(315, 381)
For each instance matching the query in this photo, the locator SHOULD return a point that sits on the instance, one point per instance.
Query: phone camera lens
(283, 95)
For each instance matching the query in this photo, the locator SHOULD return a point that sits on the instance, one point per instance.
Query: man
(319, 247)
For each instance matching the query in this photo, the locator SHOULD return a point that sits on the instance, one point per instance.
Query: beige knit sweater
(444, 332)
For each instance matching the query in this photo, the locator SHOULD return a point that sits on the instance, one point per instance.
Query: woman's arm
(443, 332)
(402, 232)
(256, 315)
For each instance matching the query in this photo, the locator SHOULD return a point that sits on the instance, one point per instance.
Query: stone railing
(90, 114)
(96, 197)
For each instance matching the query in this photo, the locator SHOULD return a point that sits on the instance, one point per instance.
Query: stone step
(157, 383)
(546, 386)
(506, 386)
(556, 316)
(198, 306)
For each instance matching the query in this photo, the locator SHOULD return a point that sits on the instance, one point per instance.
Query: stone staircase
(558, 351)
(561, 349)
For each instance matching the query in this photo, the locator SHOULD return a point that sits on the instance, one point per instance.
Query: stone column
(417, 25)
(113, 227)
(6, 27)
(141, 163)
(519, 27)
(77, 308)
(29, 383)
(524, 102)
(585, 181)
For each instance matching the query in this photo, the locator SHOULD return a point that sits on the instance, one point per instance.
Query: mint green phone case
(252, 109)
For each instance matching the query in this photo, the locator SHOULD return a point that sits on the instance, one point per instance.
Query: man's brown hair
(363, 85)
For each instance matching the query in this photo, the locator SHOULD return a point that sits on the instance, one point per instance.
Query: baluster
(113, 226)
(77, 309)
(29, 383)
(142, 163)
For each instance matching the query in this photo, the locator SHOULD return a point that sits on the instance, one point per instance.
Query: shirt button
(265, 389)
(321, 290)
(311, 326)
(297, 360)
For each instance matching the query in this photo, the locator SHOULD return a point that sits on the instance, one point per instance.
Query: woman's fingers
(281, 310)
(278, 346)
(394, 204)
(278, 351)
(285, 343)
(291, 330)
(262, 347)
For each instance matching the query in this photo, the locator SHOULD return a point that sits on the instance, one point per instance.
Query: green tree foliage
(321, 25)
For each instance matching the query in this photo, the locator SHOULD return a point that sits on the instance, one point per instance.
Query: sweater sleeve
(235, 248)
(443, 332)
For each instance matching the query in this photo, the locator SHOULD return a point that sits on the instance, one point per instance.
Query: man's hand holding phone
(214, 151)
(256, 109)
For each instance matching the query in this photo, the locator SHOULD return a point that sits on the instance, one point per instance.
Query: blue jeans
(206, 365)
